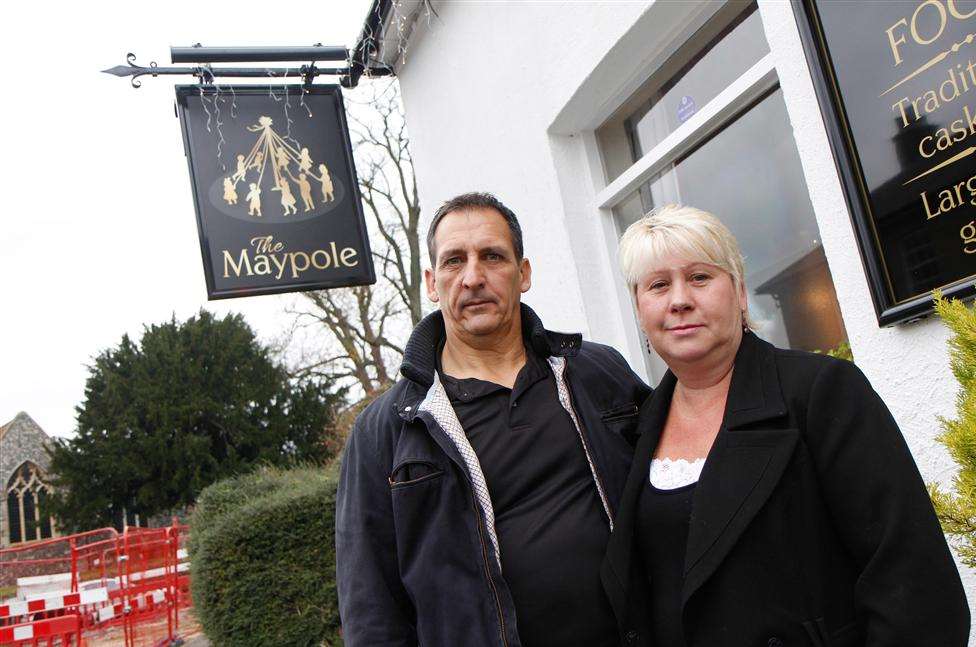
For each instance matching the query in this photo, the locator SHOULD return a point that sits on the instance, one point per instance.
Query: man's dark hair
(473, 201)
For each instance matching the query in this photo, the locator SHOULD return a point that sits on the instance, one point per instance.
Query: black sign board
(275, 190)
(896, 82)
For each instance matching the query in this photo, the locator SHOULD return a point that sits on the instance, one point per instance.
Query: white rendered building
(581, 116)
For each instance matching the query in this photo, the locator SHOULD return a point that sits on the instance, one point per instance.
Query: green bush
(262, 551)
(957, 508)
(840, 351)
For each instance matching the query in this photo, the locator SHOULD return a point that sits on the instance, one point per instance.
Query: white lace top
(667, 474)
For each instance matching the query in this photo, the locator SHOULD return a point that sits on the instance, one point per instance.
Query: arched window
(26, 495)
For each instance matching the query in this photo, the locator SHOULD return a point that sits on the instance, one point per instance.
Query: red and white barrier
(137, 581)
(143, 601)
(17, 608)
(61, 626)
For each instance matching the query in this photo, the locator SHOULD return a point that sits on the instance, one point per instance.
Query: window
(26, 496)
(710, 129)
(688, 81)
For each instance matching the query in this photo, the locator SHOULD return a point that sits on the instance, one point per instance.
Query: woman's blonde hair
(681, 231)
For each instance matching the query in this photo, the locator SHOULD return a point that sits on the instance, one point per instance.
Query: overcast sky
(98, 231)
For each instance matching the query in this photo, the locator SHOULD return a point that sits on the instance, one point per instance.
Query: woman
(772, 501)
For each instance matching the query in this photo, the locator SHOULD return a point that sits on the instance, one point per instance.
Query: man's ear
(525, 270)
(431, 287)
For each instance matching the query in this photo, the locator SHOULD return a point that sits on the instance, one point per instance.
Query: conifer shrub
(957, 509)
(262, 551)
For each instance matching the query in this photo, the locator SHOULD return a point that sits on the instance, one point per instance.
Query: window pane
(749, 176)
(13, 517)
(732, 43)
(712, 71)
(30, 523)
(45, 516)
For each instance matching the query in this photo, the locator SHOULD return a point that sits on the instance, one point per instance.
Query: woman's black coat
(810, 526)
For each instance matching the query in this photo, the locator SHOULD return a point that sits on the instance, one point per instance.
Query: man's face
(476, 278)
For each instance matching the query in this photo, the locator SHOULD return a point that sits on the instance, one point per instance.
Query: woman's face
(690, 310)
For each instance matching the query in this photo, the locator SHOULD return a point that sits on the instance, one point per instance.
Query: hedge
(262, 551)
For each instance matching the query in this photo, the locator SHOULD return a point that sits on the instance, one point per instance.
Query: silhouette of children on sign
(271, 152)
(306, 190)
(287, 199)
(283, 159)
(230, 194)
(305, 161)
(327, 188)
(241, 169)
(254, 200)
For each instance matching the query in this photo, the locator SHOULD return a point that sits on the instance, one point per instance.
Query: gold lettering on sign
(960, 80)
(950, 10)
(945, 138)
(953, 197)
(955, 12)
(265, 244)
(968, 235)
(944, 65)
(270, 258)
(242, 261)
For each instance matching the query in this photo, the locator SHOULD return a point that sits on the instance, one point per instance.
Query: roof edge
(380, 43)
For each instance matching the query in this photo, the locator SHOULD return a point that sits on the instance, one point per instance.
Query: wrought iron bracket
(207, 73)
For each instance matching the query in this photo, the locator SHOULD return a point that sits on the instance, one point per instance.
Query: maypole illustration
(272, 151)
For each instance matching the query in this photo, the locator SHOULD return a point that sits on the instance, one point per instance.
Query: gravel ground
(197, 641)
(189, 630)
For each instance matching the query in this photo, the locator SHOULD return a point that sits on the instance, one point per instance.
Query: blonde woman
(772, 500)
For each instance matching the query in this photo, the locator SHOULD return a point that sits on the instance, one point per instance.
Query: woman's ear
(637, 309)
(744, 303)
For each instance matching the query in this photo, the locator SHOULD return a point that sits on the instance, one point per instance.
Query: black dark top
(551, 526)
(662, 534)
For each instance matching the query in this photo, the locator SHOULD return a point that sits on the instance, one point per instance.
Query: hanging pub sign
(896, 82)
(275, 189)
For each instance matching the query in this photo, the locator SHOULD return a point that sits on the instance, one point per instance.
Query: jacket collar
(420, 354)
(754, 393)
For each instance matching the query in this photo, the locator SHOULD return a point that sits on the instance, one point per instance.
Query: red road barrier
(65, 629)
(19, 608)
(138, 581)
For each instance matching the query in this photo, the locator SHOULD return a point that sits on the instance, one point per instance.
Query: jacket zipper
(484, 551)
(586, 449)
(491, 580)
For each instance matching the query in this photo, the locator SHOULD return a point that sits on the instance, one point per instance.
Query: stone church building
(23, 466)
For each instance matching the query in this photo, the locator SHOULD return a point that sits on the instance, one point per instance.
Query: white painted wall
(481, 84)
(503, 97)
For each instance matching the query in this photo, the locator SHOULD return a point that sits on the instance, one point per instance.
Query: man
(476, 495)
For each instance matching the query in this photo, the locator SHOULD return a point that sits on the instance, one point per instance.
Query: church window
(26, 496)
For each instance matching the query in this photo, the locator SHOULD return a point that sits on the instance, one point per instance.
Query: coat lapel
(617, 567)
(744, 465)
(741, 472)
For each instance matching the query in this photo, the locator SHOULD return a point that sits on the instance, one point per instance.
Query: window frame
(727, 106)
(649, 45)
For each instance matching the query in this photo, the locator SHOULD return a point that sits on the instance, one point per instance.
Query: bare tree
(367, 326)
